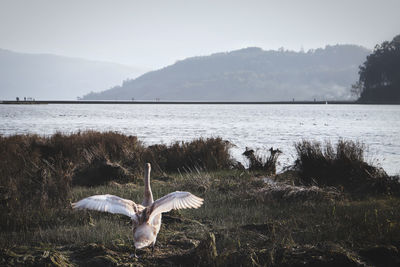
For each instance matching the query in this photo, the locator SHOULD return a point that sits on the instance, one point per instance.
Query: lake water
(255, 126)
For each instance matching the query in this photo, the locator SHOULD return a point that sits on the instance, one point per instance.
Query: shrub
(262, 162)
(209, 154)
(342, 165)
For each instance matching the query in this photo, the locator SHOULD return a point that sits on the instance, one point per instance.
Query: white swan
(146, 218)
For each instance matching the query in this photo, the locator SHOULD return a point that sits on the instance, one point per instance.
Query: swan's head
(143, 236)
(147, 167)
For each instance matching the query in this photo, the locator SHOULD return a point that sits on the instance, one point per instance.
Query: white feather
(109, 203)
(175, 200)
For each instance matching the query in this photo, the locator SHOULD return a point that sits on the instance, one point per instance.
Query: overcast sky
(153, 34)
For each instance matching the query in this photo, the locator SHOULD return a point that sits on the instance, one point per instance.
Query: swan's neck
(148, 195)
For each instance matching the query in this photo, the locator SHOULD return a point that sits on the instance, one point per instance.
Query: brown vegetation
(265, 163)
(210, 154)
(37, 171)
(342, 166)
(302, 217)
(32, 183)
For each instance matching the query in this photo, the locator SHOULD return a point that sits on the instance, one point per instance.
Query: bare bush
(264, 162)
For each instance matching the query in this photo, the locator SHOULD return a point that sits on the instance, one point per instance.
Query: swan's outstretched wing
(174, 200)
(110, 203)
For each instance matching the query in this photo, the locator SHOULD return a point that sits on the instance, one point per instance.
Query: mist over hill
(51, 77)
(249, 74)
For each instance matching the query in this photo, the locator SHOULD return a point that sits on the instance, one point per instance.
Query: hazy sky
(153, 34)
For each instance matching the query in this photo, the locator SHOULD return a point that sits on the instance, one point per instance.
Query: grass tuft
(343, 166)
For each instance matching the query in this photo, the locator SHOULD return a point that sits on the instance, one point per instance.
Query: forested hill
(52, 77)
(249, 74)
(379, 80)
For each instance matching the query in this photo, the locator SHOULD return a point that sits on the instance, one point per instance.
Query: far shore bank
(49, 102)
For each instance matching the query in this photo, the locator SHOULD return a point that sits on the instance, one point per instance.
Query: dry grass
(211, 154)
(234, 199)
(37, 172)
(343, 166)
(255, 219)
(30, 183)
(244, 221)
(194, 179)
(278, 191)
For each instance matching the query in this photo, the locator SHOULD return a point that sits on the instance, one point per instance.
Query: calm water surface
(255, 126)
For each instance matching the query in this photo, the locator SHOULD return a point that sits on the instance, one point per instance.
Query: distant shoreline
(45, 102)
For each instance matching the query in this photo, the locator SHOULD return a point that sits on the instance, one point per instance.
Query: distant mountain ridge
(249, 74)
(52, 77)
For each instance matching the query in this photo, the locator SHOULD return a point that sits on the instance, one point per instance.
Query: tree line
(379, 80)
